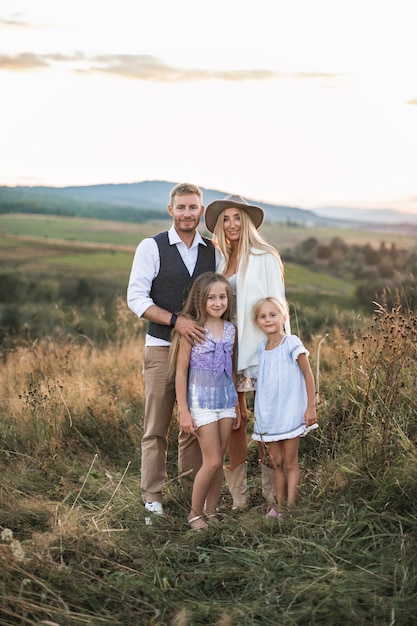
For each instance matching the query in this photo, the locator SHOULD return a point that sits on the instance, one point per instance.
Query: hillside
(128, 202)
(142, 201)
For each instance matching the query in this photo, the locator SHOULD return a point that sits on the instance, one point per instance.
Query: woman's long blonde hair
(195, 308)
(249, 238)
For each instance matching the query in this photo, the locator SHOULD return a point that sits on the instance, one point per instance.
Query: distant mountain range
(382, 216)
(147, 199)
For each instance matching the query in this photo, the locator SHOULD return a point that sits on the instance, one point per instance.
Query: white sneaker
(155, 508)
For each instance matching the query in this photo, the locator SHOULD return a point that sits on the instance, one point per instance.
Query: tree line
(387, 272)
(48, 203)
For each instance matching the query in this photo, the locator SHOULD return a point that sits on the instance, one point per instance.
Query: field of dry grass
(74, 549)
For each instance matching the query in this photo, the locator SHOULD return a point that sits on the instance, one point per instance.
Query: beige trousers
(159, 405)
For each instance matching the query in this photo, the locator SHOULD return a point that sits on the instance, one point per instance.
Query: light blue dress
(281, 395)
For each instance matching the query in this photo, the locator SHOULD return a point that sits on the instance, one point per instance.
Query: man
(163, 268)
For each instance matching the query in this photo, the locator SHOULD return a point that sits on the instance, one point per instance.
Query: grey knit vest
(170, 287)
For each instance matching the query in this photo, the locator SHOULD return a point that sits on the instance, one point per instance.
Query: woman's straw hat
(217, 206)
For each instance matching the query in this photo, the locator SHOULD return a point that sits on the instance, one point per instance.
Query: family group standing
(212, 356)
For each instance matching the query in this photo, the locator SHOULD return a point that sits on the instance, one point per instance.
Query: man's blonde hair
(185, 189)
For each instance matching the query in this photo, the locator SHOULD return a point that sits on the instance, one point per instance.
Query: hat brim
(214, 209)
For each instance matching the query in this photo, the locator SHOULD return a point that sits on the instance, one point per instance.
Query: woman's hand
(236, 421)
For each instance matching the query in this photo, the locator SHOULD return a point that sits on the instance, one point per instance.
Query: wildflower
(16, 547)
(17, 550)
(7, 535)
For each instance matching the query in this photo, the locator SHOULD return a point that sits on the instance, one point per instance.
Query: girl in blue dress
(285, 398)
(205, 388)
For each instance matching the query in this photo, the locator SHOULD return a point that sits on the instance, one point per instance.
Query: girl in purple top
(205, 388)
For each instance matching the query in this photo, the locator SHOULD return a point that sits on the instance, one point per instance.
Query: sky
(308, 103)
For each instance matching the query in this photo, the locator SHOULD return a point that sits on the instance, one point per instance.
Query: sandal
(198, 523)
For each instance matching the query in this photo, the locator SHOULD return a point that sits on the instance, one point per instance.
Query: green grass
(125, 233)
(8, 243)
(300, 278)
(285, 237)
(336, 559)
(95, 261)
(74, 229)
(52, 257)
(33, 261)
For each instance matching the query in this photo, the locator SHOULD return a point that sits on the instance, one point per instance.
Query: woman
(254, 270)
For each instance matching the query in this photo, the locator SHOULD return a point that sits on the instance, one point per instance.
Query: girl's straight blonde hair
(281, 305)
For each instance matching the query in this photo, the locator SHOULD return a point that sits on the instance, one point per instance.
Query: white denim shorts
(207, 416)
(202, 417)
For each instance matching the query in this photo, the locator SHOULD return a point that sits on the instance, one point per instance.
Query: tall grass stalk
(382, 383)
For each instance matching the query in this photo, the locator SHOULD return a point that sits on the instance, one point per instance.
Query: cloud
(23, 61)
(145, 68)
(149, 68)
(12, 22)
(16, 22)
(32, 61)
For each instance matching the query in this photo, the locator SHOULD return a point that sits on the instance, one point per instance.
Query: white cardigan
(263, 278)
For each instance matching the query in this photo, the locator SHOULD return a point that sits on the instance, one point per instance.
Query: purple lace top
(210, 372)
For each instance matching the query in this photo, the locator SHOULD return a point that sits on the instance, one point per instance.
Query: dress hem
(299, 432)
